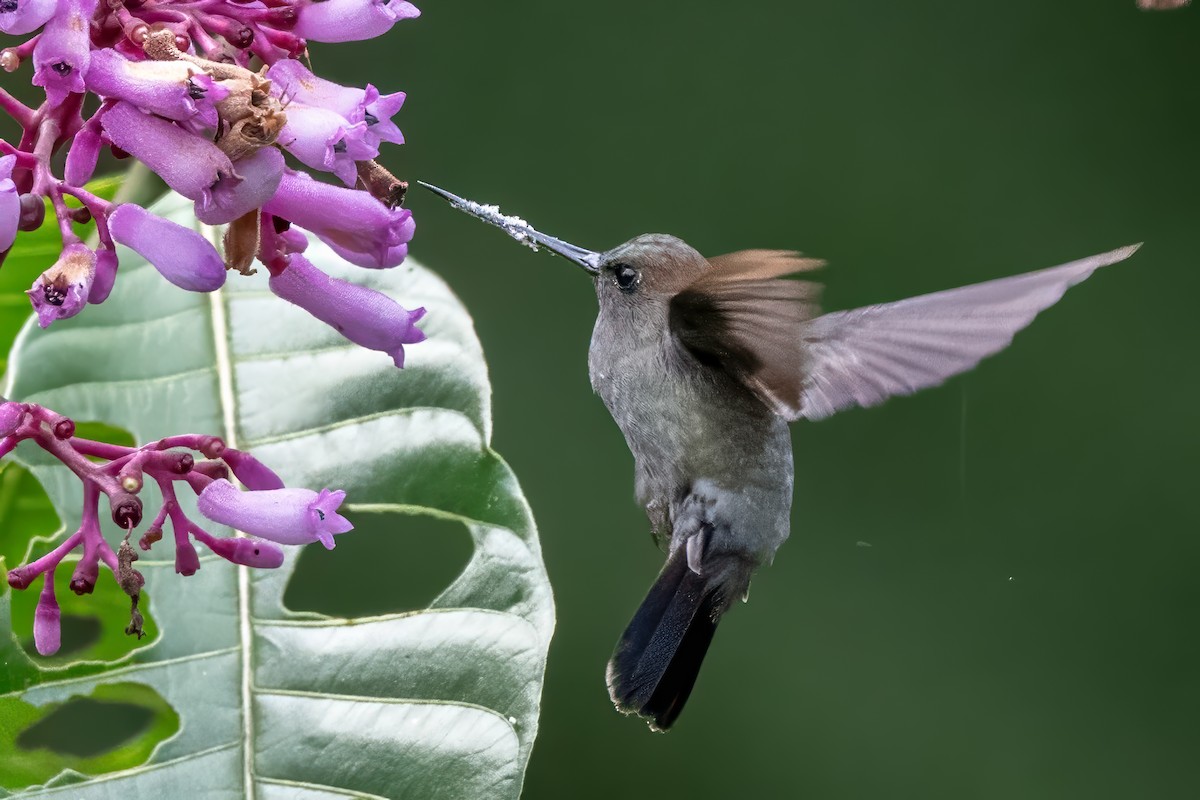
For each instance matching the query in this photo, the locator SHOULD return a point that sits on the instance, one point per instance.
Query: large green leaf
(438, 702)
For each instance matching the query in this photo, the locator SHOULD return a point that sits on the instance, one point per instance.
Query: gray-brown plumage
(702, 363)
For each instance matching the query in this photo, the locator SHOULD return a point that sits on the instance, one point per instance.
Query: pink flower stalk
(279, 514)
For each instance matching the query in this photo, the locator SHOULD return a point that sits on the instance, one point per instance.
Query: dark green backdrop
(991, 588)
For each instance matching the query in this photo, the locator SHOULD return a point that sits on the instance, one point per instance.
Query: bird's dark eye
(626, 276)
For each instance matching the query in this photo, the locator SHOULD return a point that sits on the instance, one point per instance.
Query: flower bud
(181, 255)
(47, 629)
(63, 427)
(152, 535)
(106, 275)
(21, 577)
(186, 560)
(33, 212)
(83, 156)
(83, 580)
(11, 416)
(253, 474)
(240, 550)
(126, 511)
(211, 446)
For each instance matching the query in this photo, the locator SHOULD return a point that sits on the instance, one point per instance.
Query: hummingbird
(703, 363)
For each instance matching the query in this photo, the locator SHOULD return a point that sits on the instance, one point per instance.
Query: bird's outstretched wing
(745, 320)
(863, 356)
(741, 317)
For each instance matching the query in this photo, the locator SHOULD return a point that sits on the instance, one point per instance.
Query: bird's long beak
(521, 230)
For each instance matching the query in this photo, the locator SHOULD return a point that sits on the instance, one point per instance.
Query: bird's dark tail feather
(655, 664)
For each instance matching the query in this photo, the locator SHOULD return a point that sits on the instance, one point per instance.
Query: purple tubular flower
(325, 140)
(172, 89)
(255, 475)
(364, 230)
(83, 155)
(190, 164)
(364, 316)
(254, 181)
(184, 257)
(287, 516)
(350, 20)
(293, 240)
(47, 629)
(106, 276)
(378, 110)
(18, 17)
(63, 53)
(240, 550)
(11, 416)
(62, 291)
(291, 79)
(10, 200)
(295, 82)
(391, 257)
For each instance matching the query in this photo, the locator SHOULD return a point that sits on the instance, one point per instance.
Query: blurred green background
(991, 588)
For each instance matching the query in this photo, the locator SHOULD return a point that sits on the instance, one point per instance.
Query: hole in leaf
(102, 432)
(79, 633)
(25, 512)
(116, 727)
(86, 728)
(388, 563)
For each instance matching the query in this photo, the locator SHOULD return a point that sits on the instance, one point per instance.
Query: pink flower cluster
(270, 513)
(210, 94)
